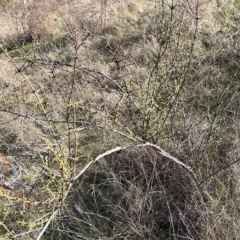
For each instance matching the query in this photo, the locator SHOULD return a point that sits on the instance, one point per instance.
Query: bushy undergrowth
(136, 195)
(119, 120)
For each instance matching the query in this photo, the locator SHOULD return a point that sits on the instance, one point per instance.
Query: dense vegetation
(119, 119)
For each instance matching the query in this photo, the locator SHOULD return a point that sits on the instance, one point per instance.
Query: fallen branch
(109, 152)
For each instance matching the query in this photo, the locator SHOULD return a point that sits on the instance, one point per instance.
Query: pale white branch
(109, 152)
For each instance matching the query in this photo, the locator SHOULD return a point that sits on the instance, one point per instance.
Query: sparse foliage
(119, 120)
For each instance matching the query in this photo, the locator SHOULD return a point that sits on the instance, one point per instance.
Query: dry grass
(81, 78)
(135, 192)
